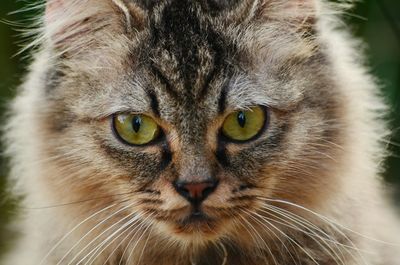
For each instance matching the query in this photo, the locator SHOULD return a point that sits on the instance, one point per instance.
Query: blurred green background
(375, 21)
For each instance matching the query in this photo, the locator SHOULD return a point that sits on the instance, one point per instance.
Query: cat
(179, 132)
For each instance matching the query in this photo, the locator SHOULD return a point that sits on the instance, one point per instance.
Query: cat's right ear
(77, 25)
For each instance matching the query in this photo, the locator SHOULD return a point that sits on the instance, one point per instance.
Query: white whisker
(120, 243)
(331, 251)
(90, 231)
(138, 241)
(269, 229)
(297, 244)
(260, 237)
(110, 239)
(73, 230)
(98, 237)
(331, 223)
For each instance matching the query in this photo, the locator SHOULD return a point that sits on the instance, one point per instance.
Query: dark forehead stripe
(195, 51)
(169, 88)
(182, 35)
(222, 99)
(154, 103)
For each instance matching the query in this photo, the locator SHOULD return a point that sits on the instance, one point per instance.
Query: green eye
(136, 129)
(244, 125)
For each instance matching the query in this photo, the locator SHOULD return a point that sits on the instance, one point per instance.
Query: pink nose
(195, 192)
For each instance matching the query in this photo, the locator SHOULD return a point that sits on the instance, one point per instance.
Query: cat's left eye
(136, 129)
(244, 125)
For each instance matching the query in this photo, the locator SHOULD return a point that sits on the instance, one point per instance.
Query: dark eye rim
(225, 139)
(159, 139)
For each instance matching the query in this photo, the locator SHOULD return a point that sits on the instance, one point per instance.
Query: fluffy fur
(305, 192)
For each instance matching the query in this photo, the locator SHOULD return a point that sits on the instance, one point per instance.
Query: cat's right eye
(136, 129)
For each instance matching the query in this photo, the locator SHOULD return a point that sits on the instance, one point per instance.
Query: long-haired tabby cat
(179, 132)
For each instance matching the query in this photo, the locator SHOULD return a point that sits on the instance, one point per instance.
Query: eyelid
(133, 112)
(248, 107)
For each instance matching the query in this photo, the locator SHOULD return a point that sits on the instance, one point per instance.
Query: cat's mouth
(197, 222)
(196, 217)
(194, 223)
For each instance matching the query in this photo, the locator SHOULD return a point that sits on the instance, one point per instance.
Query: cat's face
(194, 115)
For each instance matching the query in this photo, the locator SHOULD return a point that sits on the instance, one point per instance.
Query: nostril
(207, 191)
(195, 191)
(182, 190)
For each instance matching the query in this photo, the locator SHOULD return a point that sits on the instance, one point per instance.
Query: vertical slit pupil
(136, 123)
(241, 119)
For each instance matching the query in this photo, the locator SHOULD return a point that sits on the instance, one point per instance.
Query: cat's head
(189, 115)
